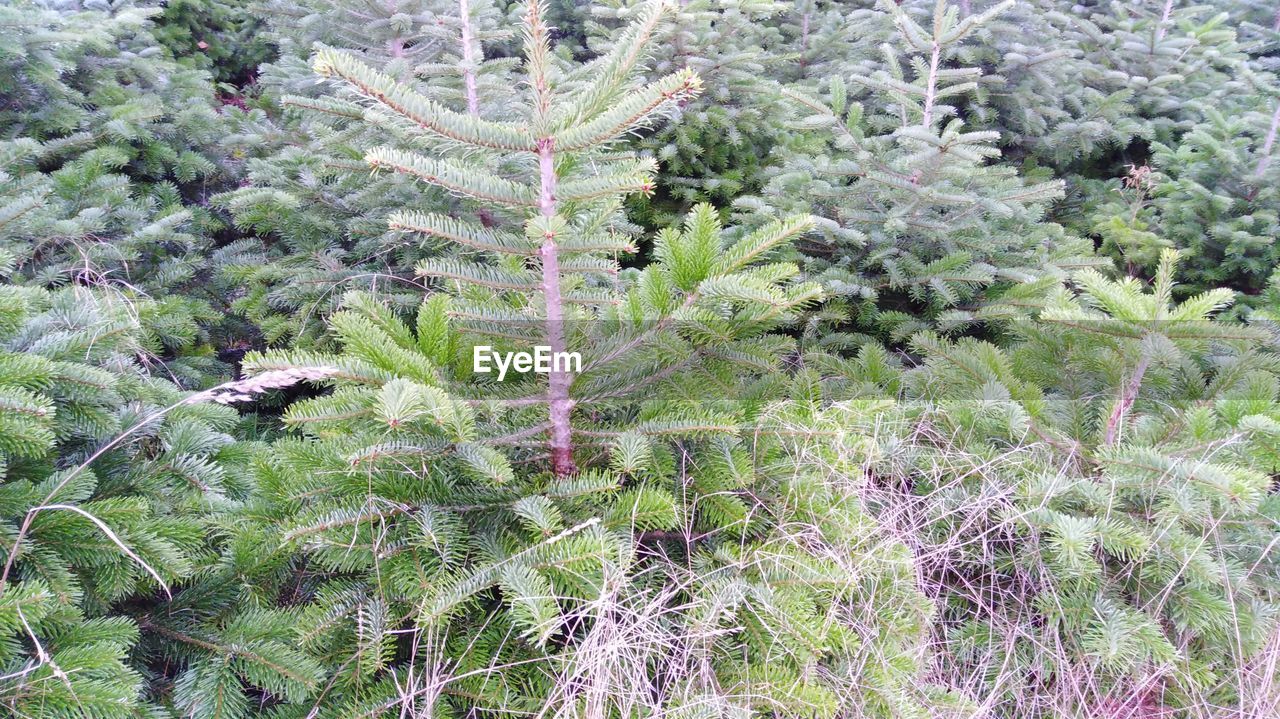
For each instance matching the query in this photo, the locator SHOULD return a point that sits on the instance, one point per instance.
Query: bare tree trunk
(931, 89)
(559, 379)
(470, 61)
(1128, 396)
(1268, 143)
(1164, 20)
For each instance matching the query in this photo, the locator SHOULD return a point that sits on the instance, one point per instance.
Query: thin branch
(931, 85)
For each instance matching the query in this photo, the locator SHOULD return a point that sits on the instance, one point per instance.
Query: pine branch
(462, 233)
(454, 177)
(422, 111)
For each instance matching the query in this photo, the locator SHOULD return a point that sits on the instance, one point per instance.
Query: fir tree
(719, 143)
(103, 144)
(1119, 529)
(1043, 94)
(568, 137)
(1212, 194)
(1171, 54)
(915, 215)
(103, 498)
(317, 217)
(520, 536)
(863, 425)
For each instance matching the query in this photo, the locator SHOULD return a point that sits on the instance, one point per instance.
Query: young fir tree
(1196, 94)
(103, 499)
(1101, 93)
(318, 218)
(104, 145)
(501, 150)
(1096, 534)
(1169, 55)
(662, 532)
(718, 146)
(916, 217)
(1042, 94)
(1212, 194)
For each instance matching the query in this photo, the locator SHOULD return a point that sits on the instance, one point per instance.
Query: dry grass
(645, 648)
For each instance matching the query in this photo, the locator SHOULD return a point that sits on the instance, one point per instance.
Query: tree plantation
(639, 359)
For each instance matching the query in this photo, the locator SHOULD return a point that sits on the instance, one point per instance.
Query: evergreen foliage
(215, 35)
(717, 146)
(104, 498)
(1129, 516)
(916, 216)
(108, 150)
(434, 510)
(906, 359)
(315, 216)
(428, 541)
(1211, 194)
